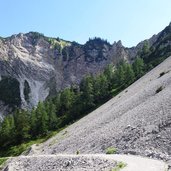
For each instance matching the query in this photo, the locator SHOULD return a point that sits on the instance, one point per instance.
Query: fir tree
(87, 92)
(42, 117)
(22, 125)
(138, 67)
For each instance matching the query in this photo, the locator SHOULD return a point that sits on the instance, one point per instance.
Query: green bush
(3, 160)
(77, 152)
(119, 166)
(162, 73)
(159, 89)
(111, 150)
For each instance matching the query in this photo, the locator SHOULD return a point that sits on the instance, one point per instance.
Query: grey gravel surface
(60, 163)
(88, 162)
(136, 121)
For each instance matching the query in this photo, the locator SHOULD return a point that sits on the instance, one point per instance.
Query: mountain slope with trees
(38, 66)
(136, 121)
(67, 106)
(70, 104)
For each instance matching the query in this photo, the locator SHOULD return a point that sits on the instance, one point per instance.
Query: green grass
(111, 150)
(2, 161)
(119, 166)
(117, 90)
(58, 43)
(18, 149)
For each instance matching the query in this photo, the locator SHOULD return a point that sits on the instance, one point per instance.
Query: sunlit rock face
(41, 65)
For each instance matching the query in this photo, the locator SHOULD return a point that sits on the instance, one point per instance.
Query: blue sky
(76, 20)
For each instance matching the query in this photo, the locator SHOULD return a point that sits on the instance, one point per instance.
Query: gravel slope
(137, 121)
(88, 162)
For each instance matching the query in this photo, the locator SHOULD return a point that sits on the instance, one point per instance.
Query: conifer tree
(53, 120)
(129, 75)
(87, 92)
(138, 67)
(109, 74)
(42, 117)
(5, 132)
(33, 123)
(22, 125)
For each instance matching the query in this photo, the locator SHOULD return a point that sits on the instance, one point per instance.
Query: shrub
(159, 89)
(110, 150)
(162, 73)
(119, 166)
(77, 152)
(3, 160)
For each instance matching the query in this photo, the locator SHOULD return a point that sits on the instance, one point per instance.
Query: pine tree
(22, 125)
(53, 120)
(146, 49)
(129, 75)
(119, 76)
(66, 99)
(109, 74)
(101, 88)
(138, 67)
(87, 92)
(42, 118)
(33, 123)
(5, 132)
(97, 89)
(57, 103)
(77, 109)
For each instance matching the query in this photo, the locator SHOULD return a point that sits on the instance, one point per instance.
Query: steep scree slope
(136, 121)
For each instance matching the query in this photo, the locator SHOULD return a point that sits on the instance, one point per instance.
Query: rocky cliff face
(33, 66)
(37, 66)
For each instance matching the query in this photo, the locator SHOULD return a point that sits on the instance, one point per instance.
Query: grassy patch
(18, 149)
(58, 43)
(115, 91)
(2, 161)
(111, 150)
(119, 166)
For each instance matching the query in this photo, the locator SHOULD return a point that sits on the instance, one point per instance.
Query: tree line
(68, 105)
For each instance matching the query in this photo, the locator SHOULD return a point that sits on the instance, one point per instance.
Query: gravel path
(90, 162)
(135, 163)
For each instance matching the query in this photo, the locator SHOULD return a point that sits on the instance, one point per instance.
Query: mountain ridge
(37, 63)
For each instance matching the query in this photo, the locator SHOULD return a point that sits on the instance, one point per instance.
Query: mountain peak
(119, 43)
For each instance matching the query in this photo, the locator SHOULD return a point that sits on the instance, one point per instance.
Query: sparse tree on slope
(87, 92)
(138, 67)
